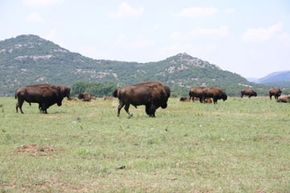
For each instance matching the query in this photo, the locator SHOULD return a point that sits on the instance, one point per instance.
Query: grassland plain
(240, 145)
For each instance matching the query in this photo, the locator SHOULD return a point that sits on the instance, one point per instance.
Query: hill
(280, 79)
(29, 59)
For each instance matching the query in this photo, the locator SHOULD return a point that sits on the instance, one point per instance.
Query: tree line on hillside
(96, 89)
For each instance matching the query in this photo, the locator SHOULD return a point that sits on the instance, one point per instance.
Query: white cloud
(265, 34)
(127, 10)
(34, 18)
(41, 3)
(196, 12)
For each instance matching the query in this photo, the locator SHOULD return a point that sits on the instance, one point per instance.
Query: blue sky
(249, 37)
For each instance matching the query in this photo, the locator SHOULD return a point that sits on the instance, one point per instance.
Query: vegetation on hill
(29, 59)
(96, 89)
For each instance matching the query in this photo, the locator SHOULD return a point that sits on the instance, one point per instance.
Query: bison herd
(151, 94)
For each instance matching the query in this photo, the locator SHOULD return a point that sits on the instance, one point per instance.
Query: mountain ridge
(277, 79)
(29, 59)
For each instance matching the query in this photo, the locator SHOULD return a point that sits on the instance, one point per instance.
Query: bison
(215, 93)
(184, 99)
(276, 92)
(197, 92)
(45, 95)
(284, 99)
(86, 97)
(205, 94)
(248, 92)
(152, 94)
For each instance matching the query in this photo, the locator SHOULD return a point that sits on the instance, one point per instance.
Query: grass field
(241, 145)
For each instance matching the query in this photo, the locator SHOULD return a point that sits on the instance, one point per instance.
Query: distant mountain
(29, 59)
(280, 79)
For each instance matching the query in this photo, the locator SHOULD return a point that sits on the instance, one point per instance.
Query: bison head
(164, 106)
(115, 93)
(224, 97)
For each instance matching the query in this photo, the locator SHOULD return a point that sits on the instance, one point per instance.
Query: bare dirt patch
(35, 149)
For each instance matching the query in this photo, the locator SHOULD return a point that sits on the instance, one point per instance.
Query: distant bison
(152, 94)
(86, 97)
(276, 92)
(248, 92)
(45, 95)
(284, 99)
(197, 92)
(205, 94)
(216, 94)
(184, 99)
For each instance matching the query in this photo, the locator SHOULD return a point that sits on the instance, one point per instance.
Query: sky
(249, 37)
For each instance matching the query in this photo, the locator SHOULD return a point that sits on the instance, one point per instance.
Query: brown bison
(64, 90)
(276, 92)
(248, 92)
(184, 99)
(205, 94)
(45, 95)
(284, 99)
(197, 92)
(86, 97)
(215, 93)
(152, 94)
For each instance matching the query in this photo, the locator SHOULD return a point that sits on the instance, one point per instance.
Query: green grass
(241, 145)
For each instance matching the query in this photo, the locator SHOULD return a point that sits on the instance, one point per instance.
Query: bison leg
(150, 110)
(121, 104)
(202, 99)
(19, 105)
(43, 108)
(127, 110)
(214, 100)
(40, 108)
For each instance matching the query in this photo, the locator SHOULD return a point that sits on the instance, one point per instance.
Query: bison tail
(115, 93)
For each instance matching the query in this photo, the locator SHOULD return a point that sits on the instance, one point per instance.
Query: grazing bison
(45, 95)
(248, 92)
(205, 94)
(184, 99)
(215, 93)
(152, 94)
(86, 96)
(197, 92)
(276, 92)
(284, 99)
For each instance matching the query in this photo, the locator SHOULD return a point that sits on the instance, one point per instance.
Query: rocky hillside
(29, 59)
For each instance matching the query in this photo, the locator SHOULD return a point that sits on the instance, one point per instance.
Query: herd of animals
(151, 94)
